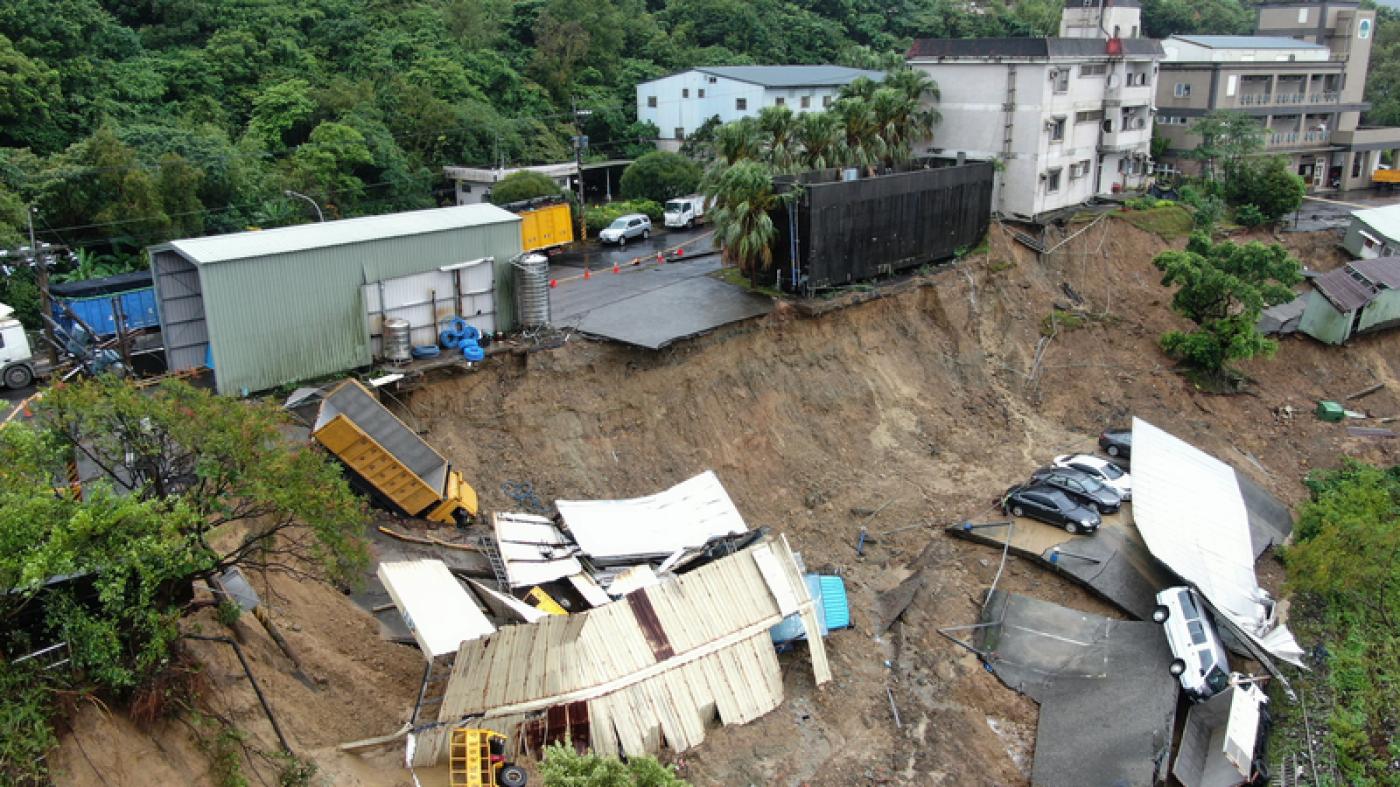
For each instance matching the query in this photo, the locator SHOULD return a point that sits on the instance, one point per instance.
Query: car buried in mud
(1050, 505)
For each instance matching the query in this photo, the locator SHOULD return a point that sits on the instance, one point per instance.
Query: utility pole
(580, 144)
(41, 278)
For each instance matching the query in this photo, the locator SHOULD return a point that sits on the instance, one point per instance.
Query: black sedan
(1050, 505)
(1117, 443)
(1081, 487)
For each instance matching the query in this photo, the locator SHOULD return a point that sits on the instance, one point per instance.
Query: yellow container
(546, 227)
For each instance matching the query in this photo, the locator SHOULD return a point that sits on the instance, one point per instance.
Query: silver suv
(633, 225)
(1199, 660)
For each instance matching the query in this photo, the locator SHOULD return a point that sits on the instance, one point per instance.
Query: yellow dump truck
(544, 226)
(1386, 177)
(388, 459)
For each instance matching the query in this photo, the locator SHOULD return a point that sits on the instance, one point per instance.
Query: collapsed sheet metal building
(650, 670)
(1191, 513)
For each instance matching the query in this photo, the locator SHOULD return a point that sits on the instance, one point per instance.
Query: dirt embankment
(932, 399)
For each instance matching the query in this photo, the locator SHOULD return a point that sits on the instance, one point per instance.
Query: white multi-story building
(680, 103)
(1067, 118)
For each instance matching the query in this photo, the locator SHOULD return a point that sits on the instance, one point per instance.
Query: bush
(603, 215)
(524, 185)
(660, 176)
(1268, 185)
(1249, 216)
(564, 767)
(1208, 212)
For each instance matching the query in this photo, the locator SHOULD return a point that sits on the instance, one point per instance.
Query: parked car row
(1074, 491)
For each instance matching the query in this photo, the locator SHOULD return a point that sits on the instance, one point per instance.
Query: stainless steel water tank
(398, 346)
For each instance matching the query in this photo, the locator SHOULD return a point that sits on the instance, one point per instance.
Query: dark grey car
(1050, 505)
(1080, 486)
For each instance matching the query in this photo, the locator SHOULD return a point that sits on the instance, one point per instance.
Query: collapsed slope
(922, 403)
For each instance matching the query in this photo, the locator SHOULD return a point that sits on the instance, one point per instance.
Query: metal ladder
(488, 547)
(1008, 109)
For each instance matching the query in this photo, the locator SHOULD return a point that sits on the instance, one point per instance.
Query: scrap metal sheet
(686, 515)
(435, 606)
(1191, 514)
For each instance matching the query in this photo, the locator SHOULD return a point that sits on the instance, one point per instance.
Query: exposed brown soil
(930, 397)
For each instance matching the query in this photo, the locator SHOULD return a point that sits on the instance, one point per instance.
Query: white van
(685, 211)
(1198, 658)
(16, 360)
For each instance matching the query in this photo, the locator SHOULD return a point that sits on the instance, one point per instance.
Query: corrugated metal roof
(793, 76)
(1382, 271)
(1344, 291)
(1033, 48)
(261, 243)
(686, 515)
(1248, 42)
(533, 549)
(434, 605)
(656, 665)
(1202, 536)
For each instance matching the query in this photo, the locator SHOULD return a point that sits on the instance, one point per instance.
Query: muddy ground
(927, 399)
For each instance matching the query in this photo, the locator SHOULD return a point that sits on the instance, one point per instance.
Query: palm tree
(863, 146)
(820, 135)
(860, 87)
(778, 127)
(737, 140)
(741, 198)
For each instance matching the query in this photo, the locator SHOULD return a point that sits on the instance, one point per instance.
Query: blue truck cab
(833, 611)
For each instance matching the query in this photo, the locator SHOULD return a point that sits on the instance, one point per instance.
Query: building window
(1079, 169)
(1302, 16)
(1060, 78)
(741, 104)
(1056, 127)
(1182, 90)
(685, 92)
(711, 80)
(826, 102)
(806, 102)
(701, 92)
(680, 133)
(651, 102)
(1092, 116)
(779, 101)
(1093, 69)
(1052, 181)
(1363, 30)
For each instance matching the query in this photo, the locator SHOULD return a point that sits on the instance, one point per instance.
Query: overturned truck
(388, 461)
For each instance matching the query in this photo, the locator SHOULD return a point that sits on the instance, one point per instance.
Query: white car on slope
(1108, 473)
(1198, 657)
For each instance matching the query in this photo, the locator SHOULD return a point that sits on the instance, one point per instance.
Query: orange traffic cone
(615, 270)
(680, 251)
(660, 258)
(553, 282)
(587, 274)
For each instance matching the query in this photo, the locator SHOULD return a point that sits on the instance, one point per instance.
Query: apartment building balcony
(1137, 135)
(1289, 99)
(1131, 95)
(1369, 137)
(1279, 140)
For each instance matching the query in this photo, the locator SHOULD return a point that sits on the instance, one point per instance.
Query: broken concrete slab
(1107, 700)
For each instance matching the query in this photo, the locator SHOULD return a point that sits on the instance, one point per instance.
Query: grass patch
(1059, 320)
(732, 275)
(1001, 265)
(1167, 222)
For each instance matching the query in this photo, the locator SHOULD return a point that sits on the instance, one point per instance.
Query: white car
(1108, 473)
(1199, 660)
(633, 225)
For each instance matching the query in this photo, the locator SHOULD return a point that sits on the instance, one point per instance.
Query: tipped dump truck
(390, 460)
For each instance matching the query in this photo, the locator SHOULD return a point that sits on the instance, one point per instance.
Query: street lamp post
(319, 216)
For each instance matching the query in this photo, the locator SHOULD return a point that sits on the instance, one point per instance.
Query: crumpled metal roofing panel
(686, 515)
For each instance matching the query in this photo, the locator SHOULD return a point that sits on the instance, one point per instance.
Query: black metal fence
(869, 226)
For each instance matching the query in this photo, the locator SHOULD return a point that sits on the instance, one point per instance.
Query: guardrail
(1289, 99)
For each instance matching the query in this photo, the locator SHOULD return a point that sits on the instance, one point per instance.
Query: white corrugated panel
(533, 549)
(435, 607)
(424, 299)
(686, 515)
(1188, 507)
(260, 243)
(1242, 726)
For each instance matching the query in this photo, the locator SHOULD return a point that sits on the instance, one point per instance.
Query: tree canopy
(523, 185)
(1222, 288)
(659, 176)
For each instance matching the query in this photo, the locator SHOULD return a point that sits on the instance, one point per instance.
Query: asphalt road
(594, 255)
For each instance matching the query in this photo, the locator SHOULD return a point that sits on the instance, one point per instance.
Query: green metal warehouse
(270, 307)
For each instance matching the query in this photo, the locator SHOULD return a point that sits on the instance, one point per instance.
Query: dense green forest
(128, 122)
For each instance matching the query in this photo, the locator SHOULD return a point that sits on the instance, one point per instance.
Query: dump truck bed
(382, 450)
(546, 227)
(1386, 176)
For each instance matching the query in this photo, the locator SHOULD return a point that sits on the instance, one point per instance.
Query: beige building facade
(1302, 76)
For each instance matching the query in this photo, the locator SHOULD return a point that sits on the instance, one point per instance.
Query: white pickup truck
(16, 359)
(685, 211)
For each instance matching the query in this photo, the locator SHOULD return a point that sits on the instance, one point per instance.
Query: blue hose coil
(470, 333)
(459, 325)
(425, 351)
(449, 338)
(473, 352)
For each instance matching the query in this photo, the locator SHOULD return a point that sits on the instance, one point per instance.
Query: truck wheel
(511, 776)
(18, 376)
(690, 225)
(646, 234)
